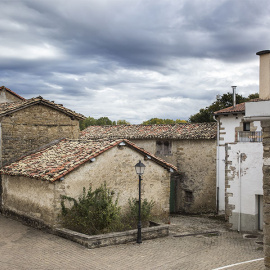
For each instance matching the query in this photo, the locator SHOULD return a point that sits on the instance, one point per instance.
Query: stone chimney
(264, 74)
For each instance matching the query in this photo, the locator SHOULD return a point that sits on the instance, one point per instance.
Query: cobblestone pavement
(22, 247)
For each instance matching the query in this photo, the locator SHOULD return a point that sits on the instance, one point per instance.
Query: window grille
(250, 136)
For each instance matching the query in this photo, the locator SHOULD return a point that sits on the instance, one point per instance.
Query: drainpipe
(239, 172)
(217, 166)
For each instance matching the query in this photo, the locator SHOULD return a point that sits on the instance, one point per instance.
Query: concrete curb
(103, 240)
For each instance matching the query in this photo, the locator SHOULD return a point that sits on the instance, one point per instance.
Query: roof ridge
(18, 105)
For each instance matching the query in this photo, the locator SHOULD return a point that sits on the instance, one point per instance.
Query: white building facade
(239, 169)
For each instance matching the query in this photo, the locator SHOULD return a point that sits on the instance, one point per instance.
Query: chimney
(264, 74)
(234, 95)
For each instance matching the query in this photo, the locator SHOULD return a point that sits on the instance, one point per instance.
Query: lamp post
(139, 167)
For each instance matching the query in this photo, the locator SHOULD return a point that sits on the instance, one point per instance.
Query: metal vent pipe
(234, 95)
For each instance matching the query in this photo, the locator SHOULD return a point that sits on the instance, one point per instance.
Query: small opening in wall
(163, 148)
(188, 196)
(246, 126)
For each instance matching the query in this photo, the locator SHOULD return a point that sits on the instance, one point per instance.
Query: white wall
(245, 184)
(229, 125)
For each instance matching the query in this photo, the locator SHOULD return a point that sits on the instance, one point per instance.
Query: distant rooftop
(189, 131)
(11, 92)
(7, 108)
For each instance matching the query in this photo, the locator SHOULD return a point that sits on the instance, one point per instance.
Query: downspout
(239, 172)
(217, 166)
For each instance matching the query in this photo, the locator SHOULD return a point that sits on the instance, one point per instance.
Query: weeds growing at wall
(94, 212)
(131, 215)
(97, 212)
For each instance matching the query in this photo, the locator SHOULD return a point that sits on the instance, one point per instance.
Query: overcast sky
(131, 59)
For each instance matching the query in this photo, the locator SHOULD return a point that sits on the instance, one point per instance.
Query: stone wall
(27, 129)
(266, 191)
(196, 161)
(116, 168)
(41, 200)
(28, 197)
(5, 96)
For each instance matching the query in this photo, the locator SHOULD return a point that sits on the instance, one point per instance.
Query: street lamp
(139, 167)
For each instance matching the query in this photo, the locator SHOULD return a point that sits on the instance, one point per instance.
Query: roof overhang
(258, 111)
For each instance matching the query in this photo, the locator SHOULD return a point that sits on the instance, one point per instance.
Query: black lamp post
(139, 167)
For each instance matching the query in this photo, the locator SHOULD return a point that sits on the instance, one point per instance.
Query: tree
(226, 100)
(102, 121)
(89, 121)
(159, 121)
(122, 122)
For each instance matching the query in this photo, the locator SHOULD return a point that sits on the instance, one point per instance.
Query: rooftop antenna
(234, 95)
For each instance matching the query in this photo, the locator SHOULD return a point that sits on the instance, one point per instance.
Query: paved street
(22, 247)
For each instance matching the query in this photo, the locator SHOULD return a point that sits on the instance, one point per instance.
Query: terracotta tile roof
(11, 92)
(8, 108)
(177, 131)
(57, 160)
(239, 108)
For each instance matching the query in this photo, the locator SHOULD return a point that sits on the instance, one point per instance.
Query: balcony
(250, 136)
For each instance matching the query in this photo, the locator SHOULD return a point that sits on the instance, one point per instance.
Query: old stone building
(6, 95)
(26, 125)
(189, 147)
(32, 186)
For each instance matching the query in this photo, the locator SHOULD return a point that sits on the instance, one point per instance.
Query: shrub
(131, 216)
(94, 212)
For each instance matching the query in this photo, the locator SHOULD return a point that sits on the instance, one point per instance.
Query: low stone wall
(103, 240)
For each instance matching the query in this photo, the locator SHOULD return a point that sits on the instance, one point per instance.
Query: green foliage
(159, 121)
(97, 212)
(90, 121)
(102, 121)
(122, 122)
(94, 212)
(226, 100)
(131, 216)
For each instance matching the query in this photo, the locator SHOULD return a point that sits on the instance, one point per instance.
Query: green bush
(97, 212)
(94, 212)
(131, 216)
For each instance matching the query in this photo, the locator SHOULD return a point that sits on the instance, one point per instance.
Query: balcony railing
(250, 136)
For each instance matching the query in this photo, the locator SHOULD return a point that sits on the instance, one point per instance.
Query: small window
(246, 126)
(163, 148)
(188, 196)
(159, 147)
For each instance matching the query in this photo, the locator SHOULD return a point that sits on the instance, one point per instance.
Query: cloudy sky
(132, 59)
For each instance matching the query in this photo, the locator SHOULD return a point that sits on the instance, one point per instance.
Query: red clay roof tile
(57, 160)
(190, 131)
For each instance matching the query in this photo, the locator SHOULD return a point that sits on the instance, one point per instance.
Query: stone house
(6, 95)
(239, 169)
(189, 147)
(26, 125)
(33, 185)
